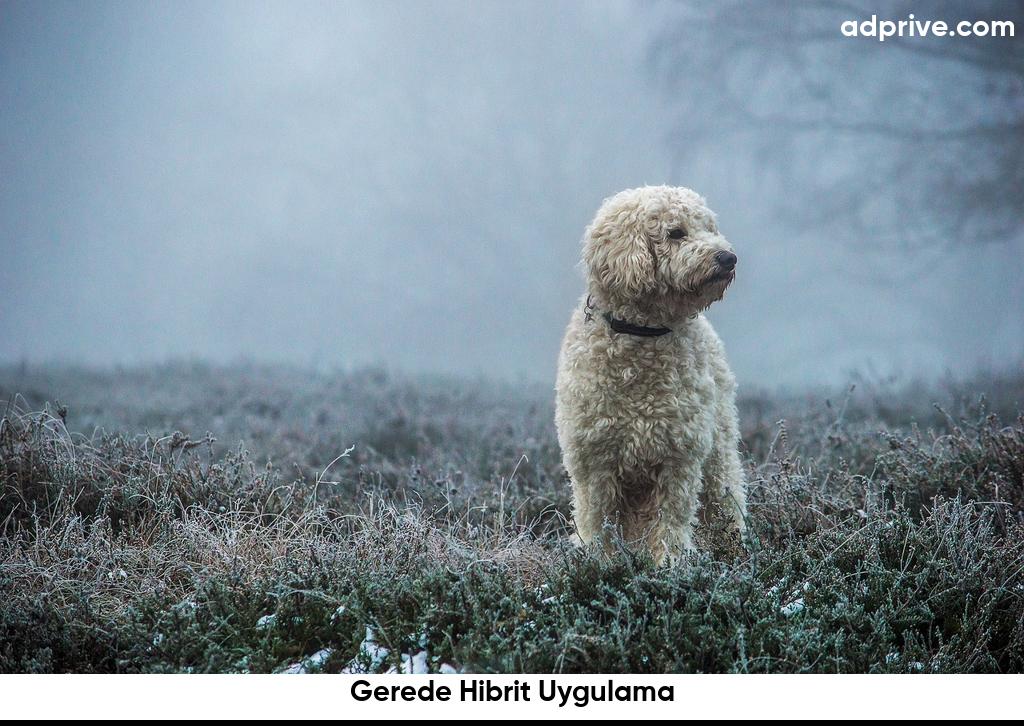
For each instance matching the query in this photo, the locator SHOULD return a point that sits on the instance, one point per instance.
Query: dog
(645, 402)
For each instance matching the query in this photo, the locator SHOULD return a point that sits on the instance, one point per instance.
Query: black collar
(621, 326)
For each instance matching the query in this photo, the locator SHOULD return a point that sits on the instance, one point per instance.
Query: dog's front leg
(595, 505)
(677, 489)
(724, 477)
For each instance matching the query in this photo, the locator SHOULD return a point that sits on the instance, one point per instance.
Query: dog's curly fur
(648, 425)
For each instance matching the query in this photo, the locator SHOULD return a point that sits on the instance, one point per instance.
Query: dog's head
(658, 246)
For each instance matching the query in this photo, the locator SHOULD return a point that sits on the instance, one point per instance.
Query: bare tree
(911, 140)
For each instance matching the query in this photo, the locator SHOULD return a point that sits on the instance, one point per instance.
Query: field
(246, 518)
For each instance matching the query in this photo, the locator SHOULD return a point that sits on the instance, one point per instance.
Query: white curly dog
(646, 404)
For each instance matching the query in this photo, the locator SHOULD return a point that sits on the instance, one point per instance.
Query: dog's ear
(619, 256)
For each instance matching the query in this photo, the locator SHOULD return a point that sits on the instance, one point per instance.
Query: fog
(406, 184)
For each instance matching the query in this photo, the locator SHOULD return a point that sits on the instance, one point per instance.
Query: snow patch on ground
(416, 663)
(371, 658)
(792, 608)
(371, 655)
(793, 604)
(313, 663)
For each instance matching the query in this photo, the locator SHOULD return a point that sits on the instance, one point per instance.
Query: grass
(196, 518)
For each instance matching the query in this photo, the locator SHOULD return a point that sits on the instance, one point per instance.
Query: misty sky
(404, 183)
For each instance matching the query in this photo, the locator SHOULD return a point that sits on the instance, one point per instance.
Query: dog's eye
(678, 233)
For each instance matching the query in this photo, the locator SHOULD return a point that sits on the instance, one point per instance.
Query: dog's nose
(726, 260)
